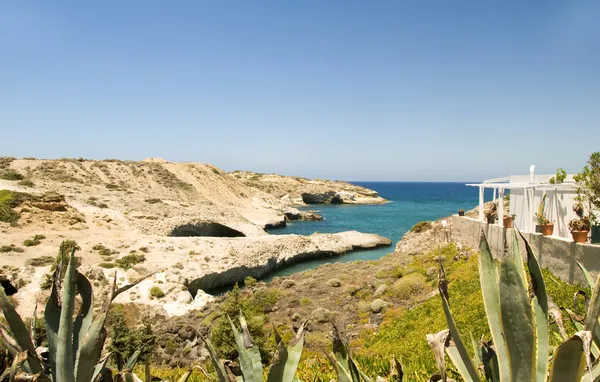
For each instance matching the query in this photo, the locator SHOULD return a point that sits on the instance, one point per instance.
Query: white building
(526, 192)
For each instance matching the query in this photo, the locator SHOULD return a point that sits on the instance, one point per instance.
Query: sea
(410, 203)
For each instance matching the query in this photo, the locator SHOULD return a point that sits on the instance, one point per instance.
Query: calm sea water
(410, 203)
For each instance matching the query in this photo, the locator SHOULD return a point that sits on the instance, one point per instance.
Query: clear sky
(357, 90)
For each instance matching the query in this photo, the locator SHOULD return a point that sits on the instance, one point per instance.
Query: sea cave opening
(209, 229)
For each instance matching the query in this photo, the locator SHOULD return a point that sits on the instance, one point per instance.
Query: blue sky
(358, 90)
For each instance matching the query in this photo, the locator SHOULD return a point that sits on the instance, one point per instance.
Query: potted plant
(544, 226)
(461, 212)
(580, 227)
(491, 213)
(508, 221)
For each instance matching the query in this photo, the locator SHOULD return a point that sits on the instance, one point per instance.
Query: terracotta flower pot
(579, 236)
(547, 229)
(507, 222)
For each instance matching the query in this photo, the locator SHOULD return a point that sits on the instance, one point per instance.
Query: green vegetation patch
(421, 226)
(156, 292)
(8, 201)
(10, 174)
(10, 248)
(35, 240)
(403, 332)
(128, 261)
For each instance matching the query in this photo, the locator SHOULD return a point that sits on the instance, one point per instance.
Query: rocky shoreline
(191, 225)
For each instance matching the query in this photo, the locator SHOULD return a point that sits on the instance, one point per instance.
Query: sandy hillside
(190, 224)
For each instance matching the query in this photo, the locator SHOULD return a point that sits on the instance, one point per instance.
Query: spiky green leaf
(470, 368)
(65, 360)
(569, 359)
(539, 304)
(517, 322)
(488, 278)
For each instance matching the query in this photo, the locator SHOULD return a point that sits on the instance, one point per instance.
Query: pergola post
(481, 189)
(501, 206)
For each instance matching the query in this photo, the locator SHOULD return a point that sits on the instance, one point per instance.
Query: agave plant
(517, 309)
(285, 363)
(346, 368)
(74, 346)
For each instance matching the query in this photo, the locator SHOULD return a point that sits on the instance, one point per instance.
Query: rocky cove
(187, 227)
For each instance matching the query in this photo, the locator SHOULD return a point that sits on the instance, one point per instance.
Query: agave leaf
(52, 317)
(489, 359)
(65, 360)
(488, 278)
(246, 356)
(590, 322)
(341, 353)
(252, 350)
(518, 259)
(85, 316)
(456, 359)
(460, 346)
(32, 326)
(132, 360)
(10, 343)
(93, 340)
(586, 274)
(438, 342)
(569, 359)
(216, 361)
(579, 326)
(365, 377)
(287, 358)
(20, 333)
(517, 322)
(98, 367)
(540, 310)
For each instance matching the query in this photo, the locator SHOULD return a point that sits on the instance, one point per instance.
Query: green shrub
(305, 301)
(107, 265)
(421, 226)
(128, 261)
(408, 286)
(8, 201)
(35, 240)
(156, 292)
(104, 251)
(250, 281)
(125, 339)
(10, 248)
(10, 174)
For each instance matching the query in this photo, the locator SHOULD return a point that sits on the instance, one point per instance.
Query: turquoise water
(410, 203)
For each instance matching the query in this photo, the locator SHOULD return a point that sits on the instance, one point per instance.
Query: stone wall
(555, 253)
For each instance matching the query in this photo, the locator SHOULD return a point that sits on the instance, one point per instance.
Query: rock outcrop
(308, 191)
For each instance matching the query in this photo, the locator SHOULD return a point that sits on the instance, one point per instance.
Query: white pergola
(535, 184)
